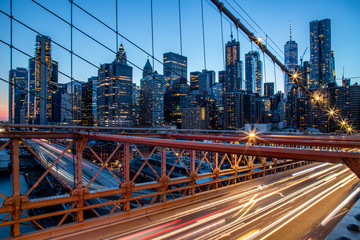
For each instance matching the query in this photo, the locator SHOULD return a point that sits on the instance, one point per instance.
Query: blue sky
(134, 23)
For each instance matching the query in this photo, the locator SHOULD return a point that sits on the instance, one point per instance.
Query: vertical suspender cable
(152, 34)
(117, 27)
(222, 39)
(182, 67)
(71, 60)
(181, 53)
(275, 77)
(72, 82)
(152, 52)
(203, 31)
(11, 86)
(264, 62)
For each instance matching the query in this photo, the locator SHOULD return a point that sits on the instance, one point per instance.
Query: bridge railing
(150, 171)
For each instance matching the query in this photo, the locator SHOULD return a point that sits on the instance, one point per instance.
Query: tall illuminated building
(43, 81)
(152, 100)
(269, 89)
(175, 68)
(115, 92)
(89, 102)
(20, 79)
(253, 73)
(321, 57)
(31, 96)
(291, 61)
(136, 106)
(233, 68)
(194, 80)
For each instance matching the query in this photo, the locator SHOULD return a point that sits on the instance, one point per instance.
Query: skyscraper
(194, 80)
(253, 73)
(20, 78)
(321, 57)
(31, 96)
(75, 90)
(115, 92)
(88, 102)
(221, 76)
(152, 101)
(136, 105)
(233, 71)
(175, 68)
(233, 114)
(269, 89)
(291, 61)
(45, 82)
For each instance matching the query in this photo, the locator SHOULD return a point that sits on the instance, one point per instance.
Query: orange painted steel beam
(274, 152)
(324, 142)
(46, 135)
(345, 138)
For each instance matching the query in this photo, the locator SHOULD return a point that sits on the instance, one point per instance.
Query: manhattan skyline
(137, 28)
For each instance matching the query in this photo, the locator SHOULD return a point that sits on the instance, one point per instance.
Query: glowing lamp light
(343, 123)
(317, 98)
(349, 129)
(259, 39)
(252, 135)
(332, 112)
(295, 75)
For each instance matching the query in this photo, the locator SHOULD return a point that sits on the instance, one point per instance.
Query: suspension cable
(258, 26)
(222, 41)
(37, 95)
(117, 25)
(181, 50)
(152, 34)
(264, 62)
(11, 95)
(203, 31)
(275, 76)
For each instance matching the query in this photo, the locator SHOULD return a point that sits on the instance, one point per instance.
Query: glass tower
(253, 73)
(291, 61)
(233, 68)
(175, 68)
(321, 57)
(115, 92)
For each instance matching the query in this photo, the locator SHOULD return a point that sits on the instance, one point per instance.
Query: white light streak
(337, 209)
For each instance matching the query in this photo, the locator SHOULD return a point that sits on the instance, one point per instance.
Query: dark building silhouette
(269, 89)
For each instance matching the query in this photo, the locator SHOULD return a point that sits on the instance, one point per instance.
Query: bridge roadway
(65, 167)
(289, 205)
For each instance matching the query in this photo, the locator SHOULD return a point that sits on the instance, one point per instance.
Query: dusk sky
(135, 24)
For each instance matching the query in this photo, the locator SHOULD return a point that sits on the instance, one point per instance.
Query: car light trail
(332, 214)
(310, 203)
(288, 199)
(136, 235)
(310, 169)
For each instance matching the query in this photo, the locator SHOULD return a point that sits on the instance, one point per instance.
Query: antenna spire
(290, 30)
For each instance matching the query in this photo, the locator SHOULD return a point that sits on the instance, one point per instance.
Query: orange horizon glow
(4, 115)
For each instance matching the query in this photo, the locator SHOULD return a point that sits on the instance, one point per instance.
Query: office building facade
(253, 73)
(115, 92)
